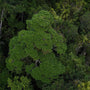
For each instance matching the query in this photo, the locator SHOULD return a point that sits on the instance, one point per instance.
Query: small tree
(35, 49)
(16, 84)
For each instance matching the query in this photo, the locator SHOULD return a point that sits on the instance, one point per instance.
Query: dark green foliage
(70, 32)
(85, 22)
(59, 84)
(75, 66)
(4, 75)
(2, 57)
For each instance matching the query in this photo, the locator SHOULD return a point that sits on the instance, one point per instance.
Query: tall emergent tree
(35, 50)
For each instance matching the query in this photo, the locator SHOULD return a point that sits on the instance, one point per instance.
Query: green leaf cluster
(19, 83)
(48, 70)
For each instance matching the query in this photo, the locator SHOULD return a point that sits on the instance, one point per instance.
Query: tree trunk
(1, 21)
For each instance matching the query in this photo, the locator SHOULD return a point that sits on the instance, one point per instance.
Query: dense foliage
(44, 44)
(39, 50)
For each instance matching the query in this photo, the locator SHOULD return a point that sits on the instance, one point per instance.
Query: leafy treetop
(40, 40)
